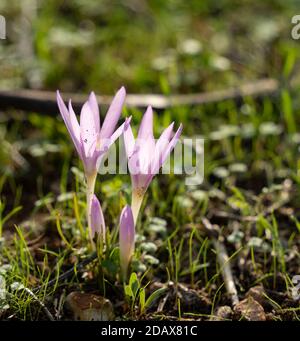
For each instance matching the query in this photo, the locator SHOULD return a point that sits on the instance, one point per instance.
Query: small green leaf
(154, 296)
(128, 291)
(142, 300)
(134, 284)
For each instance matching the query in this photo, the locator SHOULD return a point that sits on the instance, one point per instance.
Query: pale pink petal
(126, 238)
(74, 121)
(70, 122)
(95, 108)
(144, 147)
(87, 127)
(146, 154)
(171, 145)
(146, 126)
(160, 147)
(113, 114)
(165, 137)
(119, 131)
(129, 141)
(141, 181)
(107, 143)
(97, 219)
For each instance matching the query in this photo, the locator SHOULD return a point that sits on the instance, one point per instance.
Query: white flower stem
(90, 184)
(136, 202)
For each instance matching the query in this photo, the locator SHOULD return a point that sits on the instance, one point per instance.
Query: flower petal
(160, 147)
(88, 130)
(108, 142)
(146, 126)
(146, 155)
(144, 147)
(113, 114)
(97, 219)
(95, 108)
(126, 238)
(74, 121)
(129, 141)
(71, 123)
(171, 145)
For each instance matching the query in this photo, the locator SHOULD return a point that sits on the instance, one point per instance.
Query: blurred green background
(156, 46)
(169, 47)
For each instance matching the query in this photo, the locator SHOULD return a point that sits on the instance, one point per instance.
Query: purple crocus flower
(126, 239)
(145, 157)
(97, 219)
(90, 140)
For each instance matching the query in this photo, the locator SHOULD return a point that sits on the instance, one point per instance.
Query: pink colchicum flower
(90, 140)
(126, 239)
(145, 157)
(97, 219)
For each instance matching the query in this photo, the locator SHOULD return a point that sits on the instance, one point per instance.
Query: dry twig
(223, 259)
(45, 101)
